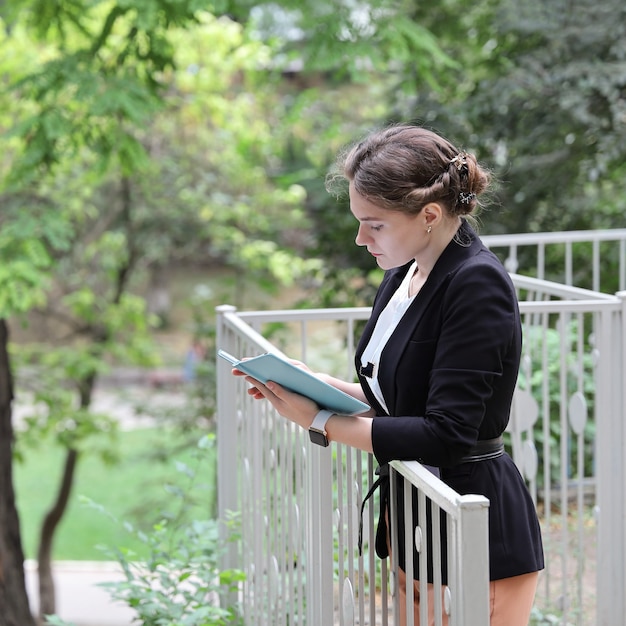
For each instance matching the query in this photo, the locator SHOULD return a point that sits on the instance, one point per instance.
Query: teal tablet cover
(269, 366)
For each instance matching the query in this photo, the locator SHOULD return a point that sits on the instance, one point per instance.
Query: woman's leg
(511, 600)
(401, 590)
(401, 586)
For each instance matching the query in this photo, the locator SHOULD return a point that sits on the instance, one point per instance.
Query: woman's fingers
(255, 393)
(291, 405)
(254, 390)
(259, 388)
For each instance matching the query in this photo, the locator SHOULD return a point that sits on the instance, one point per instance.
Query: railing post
(473, 554)
(466, 598)
(227, 424)
(320, 566)
(611, 468)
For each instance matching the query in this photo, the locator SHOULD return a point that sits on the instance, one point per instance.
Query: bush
(179, 583)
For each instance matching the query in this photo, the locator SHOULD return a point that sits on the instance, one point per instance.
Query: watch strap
(317, 430)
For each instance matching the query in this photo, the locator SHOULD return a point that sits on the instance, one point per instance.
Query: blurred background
(162, 157)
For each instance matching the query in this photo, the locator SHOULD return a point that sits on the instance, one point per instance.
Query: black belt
(485, 449)
(482, 450)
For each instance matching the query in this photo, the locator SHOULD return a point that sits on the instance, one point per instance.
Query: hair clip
(459, 161)
(466, 198)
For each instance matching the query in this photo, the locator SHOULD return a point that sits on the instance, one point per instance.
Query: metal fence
(572, 405)
(568, 257)
(299, 504)
(567, 437)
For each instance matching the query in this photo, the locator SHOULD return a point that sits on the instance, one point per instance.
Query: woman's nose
(360, 239)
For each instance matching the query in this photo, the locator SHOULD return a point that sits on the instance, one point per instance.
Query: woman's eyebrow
(370, 219)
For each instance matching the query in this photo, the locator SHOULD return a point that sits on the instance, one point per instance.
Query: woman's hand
(354, 431)
(293, 406)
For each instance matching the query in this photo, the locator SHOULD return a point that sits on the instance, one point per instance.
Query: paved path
(80, 601)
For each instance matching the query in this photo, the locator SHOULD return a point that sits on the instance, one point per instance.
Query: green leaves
(79, 110)
(99, 87)
(553, 119)
(174, 585)
(28, 239)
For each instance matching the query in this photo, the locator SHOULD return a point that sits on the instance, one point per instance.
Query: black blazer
(448, 373)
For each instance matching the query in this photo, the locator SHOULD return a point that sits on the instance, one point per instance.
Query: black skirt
(515, 544)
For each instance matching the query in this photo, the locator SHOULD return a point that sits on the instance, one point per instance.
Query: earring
(429, 229)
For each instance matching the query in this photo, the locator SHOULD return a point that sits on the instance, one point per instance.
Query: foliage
(28, 242)
(189, 176)
(536, 90)
(543, 105)
(339, 62)
(77, 118)
(180, 581)
(57, 379)
(345, 41)
(101, 85)
(540, 618)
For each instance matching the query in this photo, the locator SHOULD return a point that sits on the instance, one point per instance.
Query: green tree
(536, 89)
(553, 116)
(155, 150)
(539, 94)
(87, 100)
(27, 244)
(149, 164)
(382, 54)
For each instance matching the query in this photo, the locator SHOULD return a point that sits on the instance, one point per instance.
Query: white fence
(299, 504)
(300, 509)
(569, 257)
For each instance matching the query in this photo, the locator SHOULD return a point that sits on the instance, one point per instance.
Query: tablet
(269, 366)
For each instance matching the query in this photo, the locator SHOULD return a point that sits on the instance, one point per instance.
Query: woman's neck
(440, 238)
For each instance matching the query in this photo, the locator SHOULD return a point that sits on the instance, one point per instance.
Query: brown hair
(404, 167)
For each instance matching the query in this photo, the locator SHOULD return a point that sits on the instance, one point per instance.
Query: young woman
(439, 357)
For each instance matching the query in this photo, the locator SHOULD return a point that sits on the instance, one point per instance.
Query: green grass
(135, 490)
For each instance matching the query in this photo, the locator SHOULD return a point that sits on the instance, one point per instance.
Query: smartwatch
(317, 430)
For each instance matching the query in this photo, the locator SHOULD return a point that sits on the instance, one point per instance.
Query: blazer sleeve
(466, 370)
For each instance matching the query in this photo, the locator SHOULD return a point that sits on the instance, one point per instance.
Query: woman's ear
(432, 214)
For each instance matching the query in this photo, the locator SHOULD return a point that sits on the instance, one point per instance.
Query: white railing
(569, 409)
(567, 436)
(575, 254)
(300, 510)
(465, 598)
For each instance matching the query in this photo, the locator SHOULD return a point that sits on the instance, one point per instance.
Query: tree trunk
(47, 596)
(14, 607)
(47, 599)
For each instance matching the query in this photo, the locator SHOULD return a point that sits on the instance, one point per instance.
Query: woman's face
(393, 238)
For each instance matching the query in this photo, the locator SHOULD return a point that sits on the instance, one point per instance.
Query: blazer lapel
(453, 256)
(391, 281)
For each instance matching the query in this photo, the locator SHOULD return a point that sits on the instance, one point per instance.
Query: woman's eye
(377, 227)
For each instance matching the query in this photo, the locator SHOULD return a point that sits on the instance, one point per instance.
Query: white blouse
(385, 325)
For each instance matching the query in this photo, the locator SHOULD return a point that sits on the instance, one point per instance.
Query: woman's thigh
(510, 601)
(416, 602)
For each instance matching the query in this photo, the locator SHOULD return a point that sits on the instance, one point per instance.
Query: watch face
(318, 437)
